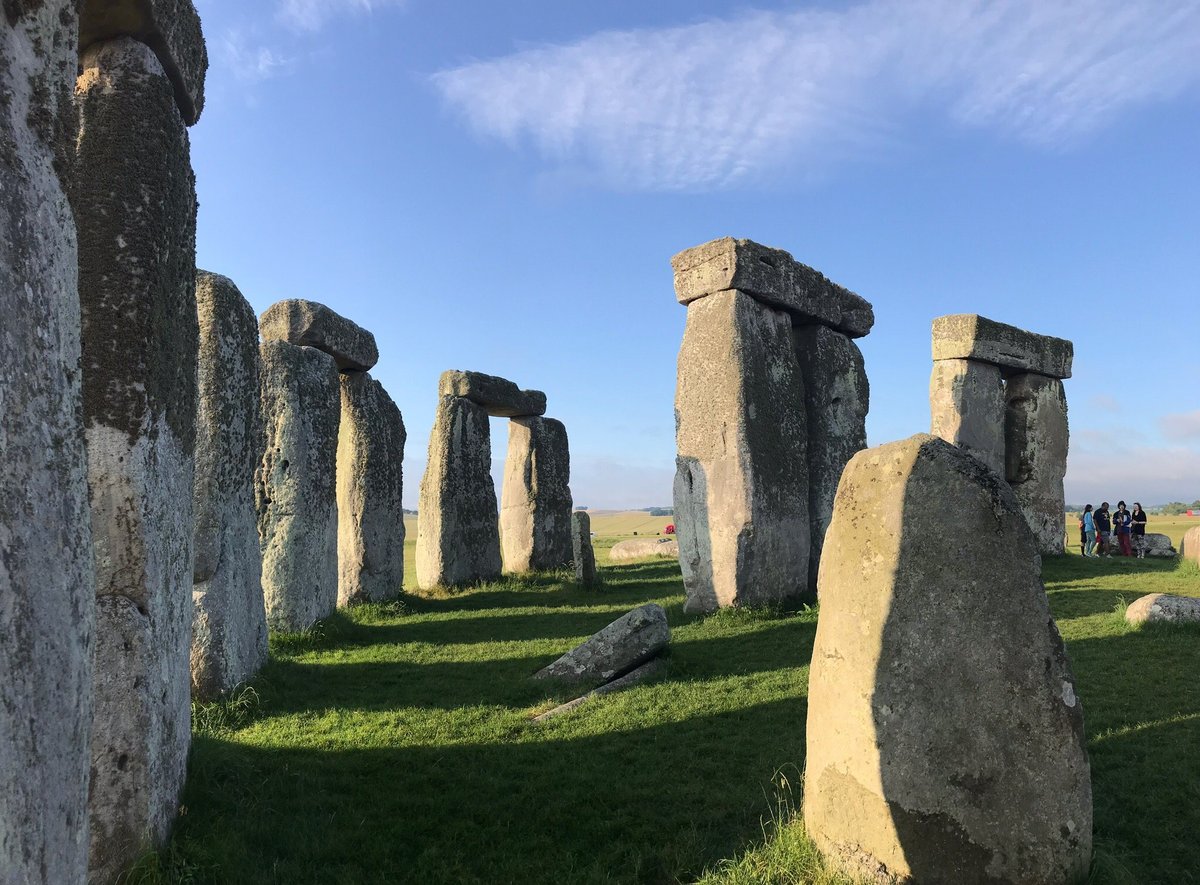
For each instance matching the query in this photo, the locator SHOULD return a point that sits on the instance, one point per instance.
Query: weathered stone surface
(229, 628)
(133, 194)
(945, 736)
(640, 548)
(774, 277)
(311, 324)
(1189, 547)
(741, 479)
(295, 490)
(499, 397)
(966, 408)
(370, 489)
(582, 555)
(836, 400)
(458, 537)
(968, 336)
(1162, 608)
(535, 500)
(1160, 545)
(170, 27)
(47, 582)
(1036, 438)
(626, 643)
(636, 676)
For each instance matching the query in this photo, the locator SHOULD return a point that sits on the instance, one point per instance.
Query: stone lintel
(312, 324)
(170, 27)
(968, 336)
(499, 397)
(774, 277)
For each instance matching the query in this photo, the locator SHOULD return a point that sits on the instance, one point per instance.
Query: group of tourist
(1100, 531)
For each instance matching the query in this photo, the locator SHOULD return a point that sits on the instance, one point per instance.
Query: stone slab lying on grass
(311, 324)
(1155, 544)
(1163, 608)
(646, 671)
(968, 336)
(500, 397)
(626, 643)
(1189, 547)
(641, 548)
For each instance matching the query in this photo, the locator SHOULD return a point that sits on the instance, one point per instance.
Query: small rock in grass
(1162, 608)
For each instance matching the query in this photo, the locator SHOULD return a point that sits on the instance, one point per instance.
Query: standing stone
(741, 480)
(458, 538)
(47, 587)
(535, 511)
(966, 405)
(1036, 440)
(370, 487)
(582, 554)
(295, 491)
(229, 630)
(836, 399)
(945, 736)
(134, 198)
(1189, 547)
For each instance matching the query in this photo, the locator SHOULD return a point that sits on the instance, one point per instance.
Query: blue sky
(501, 187)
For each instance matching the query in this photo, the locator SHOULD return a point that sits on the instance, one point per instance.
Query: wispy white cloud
(710, 104)
(1181, 427)
(311, 15)
(251, 62)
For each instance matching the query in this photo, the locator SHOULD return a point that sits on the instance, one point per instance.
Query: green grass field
(394, 743)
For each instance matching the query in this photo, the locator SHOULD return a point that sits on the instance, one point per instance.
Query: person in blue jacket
(1089, 531)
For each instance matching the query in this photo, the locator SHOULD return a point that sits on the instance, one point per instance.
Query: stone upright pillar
(458, 537)
(535, 510)
(295, 488)
(47, 580)
(370, 488)
(133, 193)
(836, 400)
(1036, 442)
(229, 630)
(966, 404)
(582, 554)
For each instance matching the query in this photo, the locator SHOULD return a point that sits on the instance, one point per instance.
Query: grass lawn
(395, 743)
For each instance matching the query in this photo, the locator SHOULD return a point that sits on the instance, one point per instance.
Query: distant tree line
(1175, 508)
(661, 511)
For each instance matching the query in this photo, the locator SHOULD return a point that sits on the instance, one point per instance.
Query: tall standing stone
(966, 405)
(134, 199)
(370, 487)
(582, 554)
(945, 736)
(836, 400)
(46, 569)
(535, 510)
(458, 539)
(741, 481)
(295, 489)
(229, 630)
(1036, 441)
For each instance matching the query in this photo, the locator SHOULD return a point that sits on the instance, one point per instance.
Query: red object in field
(669, 530)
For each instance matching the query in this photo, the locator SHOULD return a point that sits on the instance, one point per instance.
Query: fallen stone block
(626, 643)
(1159, 545)
(645, 672)
(311, 324)
(968, 336)
(499, 397)
(642, 548)
(774, 277)
(1163, 608)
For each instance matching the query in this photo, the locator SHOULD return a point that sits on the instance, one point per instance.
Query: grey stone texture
(741, 480)
(966, 407)
(295, 488)
(642, 548)
(628, 642)
(774, 277)
(499, 397)
(1036, 438)
(945, 736)
(647, 671)
(47, 581)
(535, 498)
(1189, 547)
(311, 324)
(458, 537)
(583, 557)
(968, 336)
(836, 399)
(134, 199)
(1159, 545)
(370, 490)
(170, 27)
(229, 628)
(1163, 608)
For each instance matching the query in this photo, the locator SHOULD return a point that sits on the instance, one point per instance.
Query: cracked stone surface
(626, 643)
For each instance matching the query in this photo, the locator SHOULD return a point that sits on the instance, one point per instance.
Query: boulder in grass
(1157, 545)
(1162, 608)
(641, 548)
(626, 643)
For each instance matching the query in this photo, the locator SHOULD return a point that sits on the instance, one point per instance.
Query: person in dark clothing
(1122, 522)
(1103, 528)
(1138, 520)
